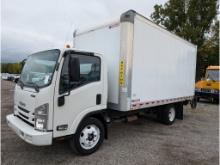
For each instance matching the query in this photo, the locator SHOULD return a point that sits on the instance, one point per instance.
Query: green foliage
(193, 20)
(209, 51)
(14, 68)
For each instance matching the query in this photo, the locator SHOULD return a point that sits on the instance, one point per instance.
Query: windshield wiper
(36, 87)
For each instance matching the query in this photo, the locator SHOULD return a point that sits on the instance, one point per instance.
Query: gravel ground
(193, 140)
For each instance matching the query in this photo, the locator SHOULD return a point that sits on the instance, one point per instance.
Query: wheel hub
(89, 136)
(171, 114)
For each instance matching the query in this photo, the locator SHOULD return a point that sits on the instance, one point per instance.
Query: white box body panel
(106, 41)
(159, 67)
(163, 65)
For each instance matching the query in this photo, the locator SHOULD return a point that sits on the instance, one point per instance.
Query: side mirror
(74, 69)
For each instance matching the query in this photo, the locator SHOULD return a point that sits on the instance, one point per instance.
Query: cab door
(73, 99)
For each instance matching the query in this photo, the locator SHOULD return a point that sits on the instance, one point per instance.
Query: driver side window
(90, 69)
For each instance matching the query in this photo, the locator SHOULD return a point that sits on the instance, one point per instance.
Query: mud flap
(179, 111)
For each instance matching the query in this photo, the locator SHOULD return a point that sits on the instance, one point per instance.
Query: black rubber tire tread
(74, 141)
(215, 101)
(159, 115)
(193, 103)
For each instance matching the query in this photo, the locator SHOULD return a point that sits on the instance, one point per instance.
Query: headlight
(216, 91)
(41, 117)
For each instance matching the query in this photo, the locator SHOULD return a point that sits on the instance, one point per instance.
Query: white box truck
(116, 70)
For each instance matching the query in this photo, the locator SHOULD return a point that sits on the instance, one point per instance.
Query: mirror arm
(68, 93)
(65, 94)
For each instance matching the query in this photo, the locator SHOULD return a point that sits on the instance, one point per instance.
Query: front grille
(25, 121)
(26, 115)
(206, 90)
(23, 115)
(24, 110)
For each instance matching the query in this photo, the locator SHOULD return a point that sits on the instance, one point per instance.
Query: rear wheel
(168, 115)
(89, 136)
(193, 103)
(215, 101)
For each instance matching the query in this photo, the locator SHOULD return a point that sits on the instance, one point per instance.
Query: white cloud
(28, 26)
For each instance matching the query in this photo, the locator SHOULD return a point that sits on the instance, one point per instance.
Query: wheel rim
(171, 114)
(89, 137)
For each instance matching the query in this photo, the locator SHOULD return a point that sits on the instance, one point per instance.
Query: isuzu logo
(22, 104)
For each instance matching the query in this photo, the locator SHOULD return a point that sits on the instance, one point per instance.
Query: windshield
(213, 75)
(39, 68)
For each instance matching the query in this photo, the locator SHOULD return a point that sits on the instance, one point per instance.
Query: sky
(28, 26)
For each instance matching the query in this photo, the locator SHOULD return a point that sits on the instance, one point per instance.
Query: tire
(88, 137)
(215, 101)
(193, 103)
(168, 115)
(159, 115)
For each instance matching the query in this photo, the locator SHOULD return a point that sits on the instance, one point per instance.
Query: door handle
(98, 99)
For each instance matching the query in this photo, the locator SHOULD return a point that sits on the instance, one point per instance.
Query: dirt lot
(193, 140)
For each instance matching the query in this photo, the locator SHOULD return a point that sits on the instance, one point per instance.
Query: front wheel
(89, 136)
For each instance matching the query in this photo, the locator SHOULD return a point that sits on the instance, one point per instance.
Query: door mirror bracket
(61, 99)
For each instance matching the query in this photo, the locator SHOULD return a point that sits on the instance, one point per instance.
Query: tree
(14, 68)
(209, 51)
(190, 19)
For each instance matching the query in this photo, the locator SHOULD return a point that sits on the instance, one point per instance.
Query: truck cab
(57, 90)
(208, 87)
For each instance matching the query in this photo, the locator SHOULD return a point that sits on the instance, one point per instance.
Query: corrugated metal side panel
(105, 41)
(163, 65)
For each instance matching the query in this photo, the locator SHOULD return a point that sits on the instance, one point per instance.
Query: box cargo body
(147, 65)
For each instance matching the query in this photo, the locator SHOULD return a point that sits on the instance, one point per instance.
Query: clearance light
(67, 46)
